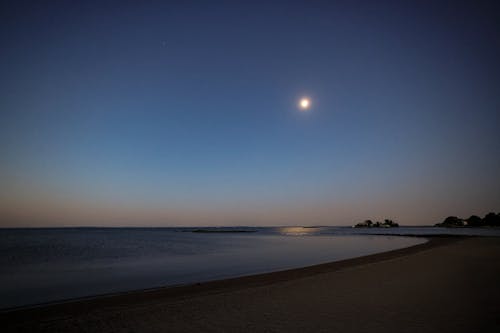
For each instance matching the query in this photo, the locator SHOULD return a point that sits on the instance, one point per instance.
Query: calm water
(43, 265)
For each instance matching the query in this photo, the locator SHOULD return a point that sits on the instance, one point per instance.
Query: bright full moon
(305, 103)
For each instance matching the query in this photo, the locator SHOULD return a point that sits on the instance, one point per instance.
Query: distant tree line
(489, 220)
(369, 224)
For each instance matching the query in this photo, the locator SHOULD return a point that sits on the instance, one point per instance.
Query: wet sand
(445, 285)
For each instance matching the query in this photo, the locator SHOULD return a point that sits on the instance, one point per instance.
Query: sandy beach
(445, 285)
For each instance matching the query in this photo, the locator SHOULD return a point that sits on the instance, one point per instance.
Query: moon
(304, 103)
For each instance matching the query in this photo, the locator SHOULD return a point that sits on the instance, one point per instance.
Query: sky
(181, 113)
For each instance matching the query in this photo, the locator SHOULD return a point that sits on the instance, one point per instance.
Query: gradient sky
(163, 113)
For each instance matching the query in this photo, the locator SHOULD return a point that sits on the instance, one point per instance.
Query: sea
(44, 265)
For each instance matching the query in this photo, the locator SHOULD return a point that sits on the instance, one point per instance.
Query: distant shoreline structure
(489, 220)
(369, 224)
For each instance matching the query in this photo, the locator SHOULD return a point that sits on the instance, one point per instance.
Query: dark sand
(445, 285)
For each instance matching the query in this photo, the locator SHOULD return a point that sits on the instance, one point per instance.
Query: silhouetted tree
(474, 221)
(492, 219)
(390, 223)
(370, 224)
(451, 221)
(365, 224)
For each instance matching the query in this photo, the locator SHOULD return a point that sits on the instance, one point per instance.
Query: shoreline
(227, 284)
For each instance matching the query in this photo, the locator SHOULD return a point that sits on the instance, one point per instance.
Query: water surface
(44, 265)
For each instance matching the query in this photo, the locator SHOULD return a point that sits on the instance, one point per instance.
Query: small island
(369, 224)
(489, 220)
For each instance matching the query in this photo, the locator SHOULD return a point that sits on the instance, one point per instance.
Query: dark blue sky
(185, 113)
